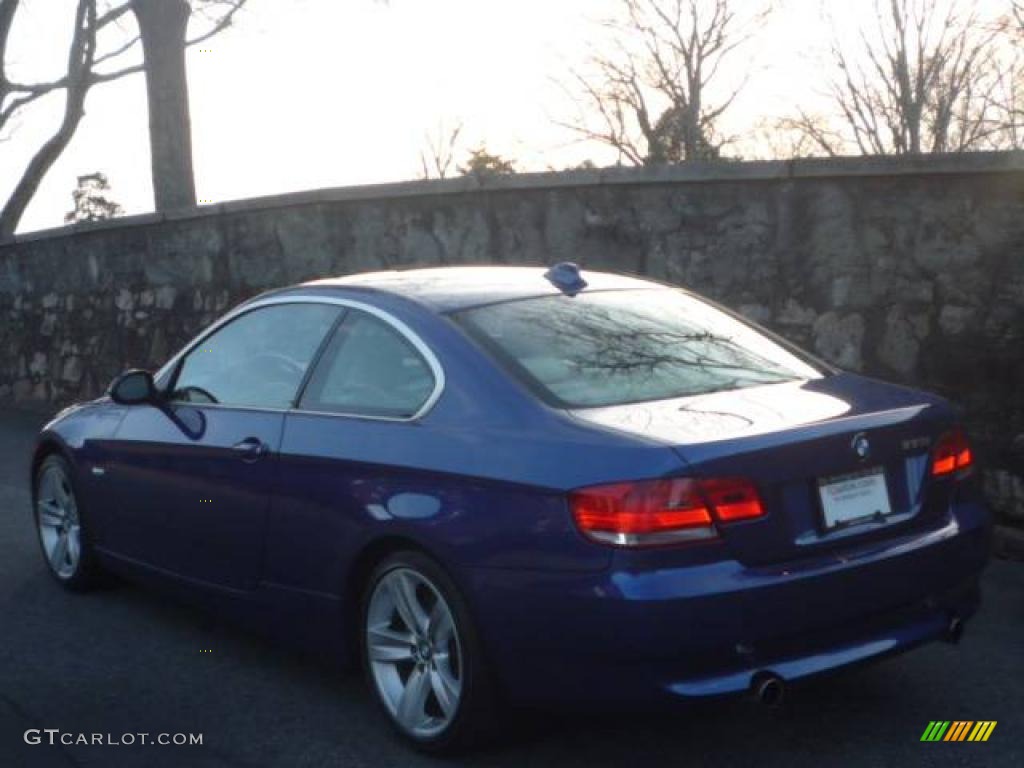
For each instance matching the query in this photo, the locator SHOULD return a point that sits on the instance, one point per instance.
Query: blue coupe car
(499, 485)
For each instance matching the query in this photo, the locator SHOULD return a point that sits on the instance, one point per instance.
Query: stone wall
(911, 270)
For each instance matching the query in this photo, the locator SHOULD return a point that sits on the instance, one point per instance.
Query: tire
(439, 665)
(62, 526)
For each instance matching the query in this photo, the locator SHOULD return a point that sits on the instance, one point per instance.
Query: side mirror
(132, 388)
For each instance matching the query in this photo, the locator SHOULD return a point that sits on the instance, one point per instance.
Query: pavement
(127, 661)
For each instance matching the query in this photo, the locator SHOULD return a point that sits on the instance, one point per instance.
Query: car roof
(447, 289)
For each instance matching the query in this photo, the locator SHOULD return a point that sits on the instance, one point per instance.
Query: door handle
(251, 449)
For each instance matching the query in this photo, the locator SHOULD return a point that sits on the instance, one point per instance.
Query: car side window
(369, 369)
(258, 359)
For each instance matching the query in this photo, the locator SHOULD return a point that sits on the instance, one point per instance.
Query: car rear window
(613, 347)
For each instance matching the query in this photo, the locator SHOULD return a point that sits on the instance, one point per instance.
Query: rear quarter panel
(483, 497)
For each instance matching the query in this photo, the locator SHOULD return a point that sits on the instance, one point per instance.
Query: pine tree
(91, 201)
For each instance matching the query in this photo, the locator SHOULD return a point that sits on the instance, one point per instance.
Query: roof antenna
(565, 276)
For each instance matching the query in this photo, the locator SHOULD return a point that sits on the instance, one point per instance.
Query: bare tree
(81, 58)
(785, 138)
(919, 81)
(1009, 92)
(163, 25)
(648, 93)
(437, 158)
(101, 50)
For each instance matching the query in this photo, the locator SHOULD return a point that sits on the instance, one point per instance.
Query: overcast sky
(303, 94)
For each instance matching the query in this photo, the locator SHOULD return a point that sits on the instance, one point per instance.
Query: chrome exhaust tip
(768, 689)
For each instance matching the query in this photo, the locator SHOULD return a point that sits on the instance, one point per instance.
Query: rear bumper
(619, 637)
(865, 641)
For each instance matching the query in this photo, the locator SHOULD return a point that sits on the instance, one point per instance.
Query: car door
(348, 448)
(192, 475)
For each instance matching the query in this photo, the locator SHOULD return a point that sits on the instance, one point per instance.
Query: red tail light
(732, 498)
(657, 512)
(952, 453)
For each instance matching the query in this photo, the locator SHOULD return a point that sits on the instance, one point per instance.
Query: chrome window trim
(404, 330)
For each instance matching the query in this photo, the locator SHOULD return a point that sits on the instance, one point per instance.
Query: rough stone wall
(908, 270)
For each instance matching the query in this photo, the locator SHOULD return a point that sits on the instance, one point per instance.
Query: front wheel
(422, 657)
(63, 534)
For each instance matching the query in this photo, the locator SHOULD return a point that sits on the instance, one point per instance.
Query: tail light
(952, 454)
(659, 512)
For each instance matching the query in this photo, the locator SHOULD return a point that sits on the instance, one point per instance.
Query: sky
(304, 94)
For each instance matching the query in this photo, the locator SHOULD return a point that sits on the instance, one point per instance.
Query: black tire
(475, 718)
(86, 573)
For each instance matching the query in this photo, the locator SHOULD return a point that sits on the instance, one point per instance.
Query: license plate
(854, 498)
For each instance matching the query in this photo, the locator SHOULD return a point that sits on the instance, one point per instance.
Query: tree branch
(918, 81)
(650, 87)
(80, 60)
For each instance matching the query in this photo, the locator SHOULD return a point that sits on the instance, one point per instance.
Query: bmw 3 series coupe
(512, 485)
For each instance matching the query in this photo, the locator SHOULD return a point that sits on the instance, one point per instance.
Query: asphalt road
(128, 661)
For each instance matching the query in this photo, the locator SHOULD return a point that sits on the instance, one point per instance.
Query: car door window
(369, 369)
(258, 359)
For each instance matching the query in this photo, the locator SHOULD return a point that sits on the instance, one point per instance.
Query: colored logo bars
(958, 730)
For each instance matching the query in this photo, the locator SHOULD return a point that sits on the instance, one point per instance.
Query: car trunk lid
(793, 438)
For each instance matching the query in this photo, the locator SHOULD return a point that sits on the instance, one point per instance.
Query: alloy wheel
(60, 529)
(414, 654)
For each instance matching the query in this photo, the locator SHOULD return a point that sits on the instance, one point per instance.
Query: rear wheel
(63, 536)
(422, 656)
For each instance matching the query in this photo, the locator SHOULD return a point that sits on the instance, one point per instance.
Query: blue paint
(480, 483)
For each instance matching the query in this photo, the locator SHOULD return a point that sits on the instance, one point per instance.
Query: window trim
(166, 374)
(339, 334)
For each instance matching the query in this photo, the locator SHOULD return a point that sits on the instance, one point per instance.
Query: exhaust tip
(768, 689)
(955, 630)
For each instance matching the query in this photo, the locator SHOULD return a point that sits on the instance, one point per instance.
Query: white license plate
(854, 498)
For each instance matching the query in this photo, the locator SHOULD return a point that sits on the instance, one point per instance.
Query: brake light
(732, 498)
(659, 512)
(952, 453)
